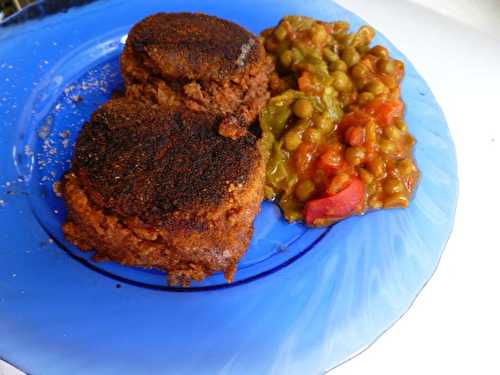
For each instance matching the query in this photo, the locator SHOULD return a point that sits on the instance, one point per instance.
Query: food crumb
(75, 98)
(64, 134)
(56, 188)
(27, 150)
(2, 203)
(44, 130)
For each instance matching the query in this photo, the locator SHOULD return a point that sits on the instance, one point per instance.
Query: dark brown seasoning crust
(194, 46)
(185, 197)
(147, 161)
(199, 62)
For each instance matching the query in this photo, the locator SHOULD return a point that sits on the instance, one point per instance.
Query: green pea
(304, 190)
(312, 135)
(393, 185)
(373, 202)
(377, 167)
(350, 56)
(303, 108)
(360, 83)
(280, 33)
(363, 36)
(354, 155)
(379, 51)
(286, 58)
(341, 81)
(372, 188)
(365, 97)
(401, 124)
(376, 87)
(363, 49)
(386, 66)
(323, 123)
(396, 200)
(360, 70)
(387, 147)
(329, 55)
(338, 183)
(298, 56)
(406, 167)
(340, 27)
(366, 176)
(319, 34)
(293, 139)
(393, 133)
(338, 65)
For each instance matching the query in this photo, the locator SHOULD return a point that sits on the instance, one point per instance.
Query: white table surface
(453, 326)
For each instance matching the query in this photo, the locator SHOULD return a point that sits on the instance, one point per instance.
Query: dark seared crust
(214, 240)
(147, 161)
(194, 46)
(199, 62)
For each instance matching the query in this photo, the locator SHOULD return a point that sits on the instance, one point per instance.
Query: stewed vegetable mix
(334, 126)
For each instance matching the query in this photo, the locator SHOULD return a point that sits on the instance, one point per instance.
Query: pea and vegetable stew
(334, 129)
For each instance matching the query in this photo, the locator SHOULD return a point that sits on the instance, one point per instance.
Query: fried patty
(162, 189)
(200, 62)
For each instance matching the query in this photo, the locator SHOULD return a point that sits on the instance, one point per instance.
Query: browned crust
(192, 46)
(214, 241)
(149, 162)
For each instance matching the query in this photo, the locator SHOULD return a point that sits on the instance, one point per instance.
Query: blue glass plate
(303, 300)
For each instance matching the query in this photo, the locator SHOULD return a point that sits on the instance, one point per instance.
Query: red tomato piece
(347, 202)
(331, 160)
(355, 135)
(354, 118)
(306, 82)
(384, 111)
(303, 158)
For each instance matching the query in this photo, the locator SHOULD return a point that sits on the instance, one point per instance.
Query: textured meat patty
(160, 188)
(201, 62)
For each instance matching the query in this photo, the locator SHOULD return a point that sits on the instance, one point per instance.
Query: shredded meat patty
(200, 62)
(160, 188)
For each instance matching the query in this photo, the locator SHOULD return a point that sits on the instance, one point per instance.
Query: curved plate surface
(303, 300)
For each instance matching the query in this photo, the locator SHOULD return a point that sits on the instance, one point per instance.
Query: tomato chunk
(308, 84)
(354, 118)
(384, 111)
(331, 161)
(355, 135)
(349, 201)
(304, 156)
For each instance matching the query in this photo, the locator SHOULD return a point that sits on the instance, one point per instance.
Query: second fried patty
(159, 188)
(198, 61)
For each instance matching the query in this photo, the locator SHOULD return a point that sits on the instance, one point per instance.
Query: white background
(453, 327)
